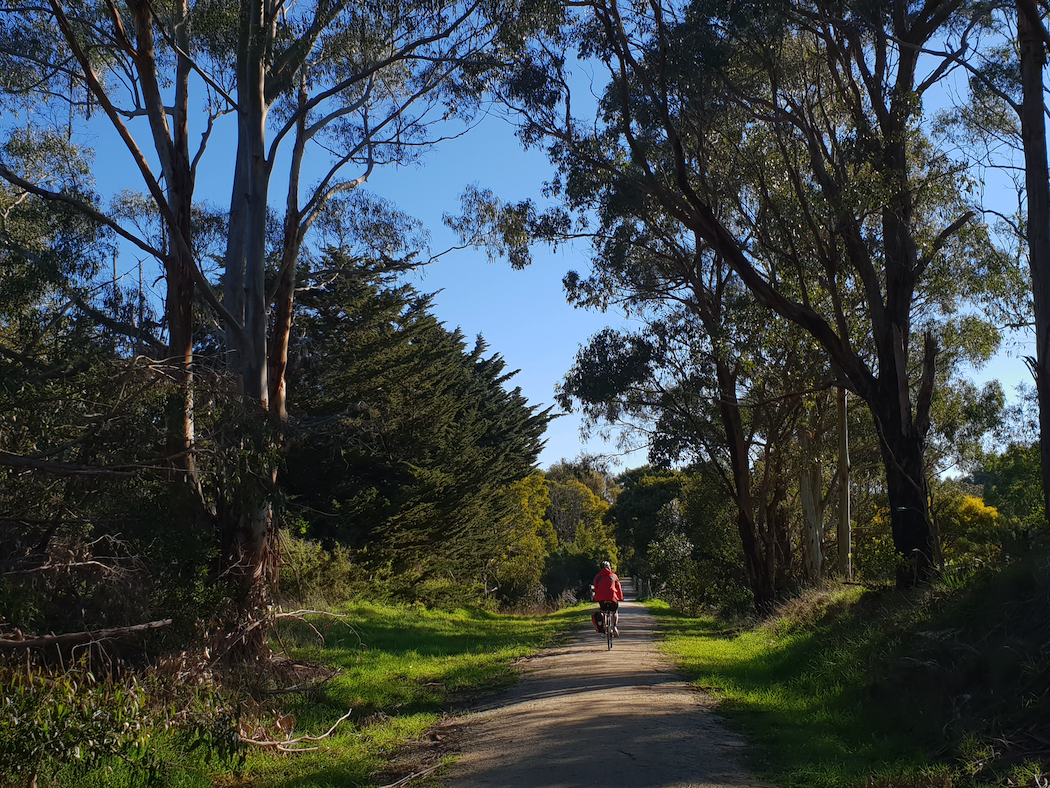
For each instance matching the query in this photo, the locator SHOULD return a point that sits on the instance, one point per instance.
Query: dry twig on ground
(286, 745)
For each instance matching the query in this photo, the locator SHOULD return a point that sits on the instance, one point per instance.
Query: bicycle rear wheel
(608, 629)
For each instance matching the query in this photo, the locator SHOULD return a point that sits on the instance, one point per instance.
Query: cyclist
(608, 593)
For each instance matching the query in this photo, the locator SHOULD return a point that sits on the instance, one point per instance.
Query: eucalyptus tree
(346, 87)
(328, 89)
(1003, 125)
(787, 138)
(734, 412)
(680, 381)
(1032, 40)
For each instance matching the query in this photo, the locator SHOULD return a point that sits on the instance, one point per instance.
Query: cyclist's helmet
(606, 565)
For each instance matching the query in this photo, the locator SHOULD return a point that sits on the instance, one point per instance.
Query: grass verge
(401, 669)
(398, 670)
(853, 687)
(791, 693)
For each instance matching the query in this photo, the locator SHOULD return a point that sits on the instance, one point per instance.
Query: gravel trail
(585, 716)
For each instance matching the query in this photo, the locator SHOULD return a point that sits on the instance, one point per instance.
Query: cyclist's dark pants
(612, 607)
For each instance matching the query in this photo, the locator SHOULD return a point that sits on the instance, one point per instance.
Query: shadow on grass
(402, 668)
(806, 695)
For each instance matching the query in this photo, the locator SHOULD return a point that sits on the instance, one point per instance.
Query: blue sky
(523, 315)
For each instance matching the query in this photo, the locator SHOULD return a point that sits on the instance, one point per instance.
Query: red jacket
(607, 587)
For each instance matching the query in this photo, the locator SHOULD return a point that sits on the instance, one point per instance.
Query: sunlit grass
(402, 667)
(798, 694)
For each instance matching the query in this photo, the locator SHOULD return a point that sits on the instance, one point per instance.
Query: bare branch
(69, 469)
(286, 746)
(85, 208)
(73, 638)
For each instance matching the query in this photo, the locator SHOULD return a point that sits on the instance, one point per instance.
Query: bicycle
(607, 625)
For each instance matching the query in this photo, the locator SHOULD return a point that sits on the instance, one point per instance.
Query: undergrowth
(938, 687)
(392, 670)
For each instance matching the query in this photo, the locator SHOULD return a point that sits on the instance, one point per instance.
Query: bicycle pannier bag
(596, 618)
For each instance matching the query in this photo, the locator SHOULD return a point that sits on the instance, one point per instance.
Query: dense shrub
(314, 576)
(696, 561)
(569, 573)
(50, 721)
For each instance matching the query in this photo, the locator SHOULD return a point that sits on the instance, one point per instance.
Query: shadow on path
(585, 716)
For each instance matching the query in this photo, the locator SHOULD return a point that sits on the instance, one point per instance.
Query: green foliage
(51, 721)
(567, 574)
(874, 557)
(590, 471)
(709, 520)
(963, 416)
(577, 515)
(675, 575)
(695, 560)
(1012, 483)
(635, 515)
(529, 539)
(315, 577)
(971, 533)
(579, 502)
(420, 437)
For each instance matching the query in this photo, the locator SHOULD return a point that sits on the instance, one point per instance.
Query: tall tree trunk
(236, 251)
(179, 310)
(812, 510)
(760, 576)
(285, 295)
(247, 235)
(172, 146)
(903, 451)
(1037, 187)
(278, 351)
(844, 528)
(253, 358)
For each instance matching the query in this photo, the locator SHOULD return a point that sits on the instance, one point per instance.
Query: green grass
(800, 690)
(400, 669)
(945, 685)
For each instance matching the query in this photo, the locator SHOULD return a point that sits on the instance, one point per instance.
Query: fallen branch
(301, 613)
(300, 616)
(113, 569)
(416, 776)
(72, 638)
(284, 746)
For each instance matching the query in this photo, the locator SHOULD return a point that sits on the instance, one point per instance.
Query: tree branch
(157, 348)
(85, 208)
(69, 469)
(72, 638)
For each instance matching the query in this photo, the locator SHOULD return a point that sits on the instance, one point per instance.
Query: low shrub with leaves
(695, 564)
(50, 721)
(312, 575)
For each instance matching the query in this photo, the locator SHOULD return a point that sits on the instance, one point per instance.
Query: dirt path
(585, 716)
